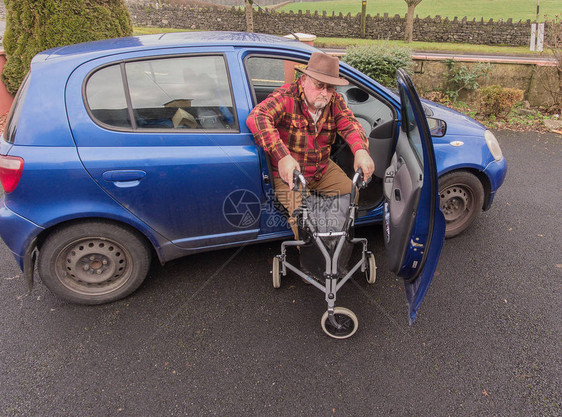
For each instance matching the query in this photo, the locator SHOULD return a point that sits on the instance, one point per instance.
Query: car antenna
(252, 2)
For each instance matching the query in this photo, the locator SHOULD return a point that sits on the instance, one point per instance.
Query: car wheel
(93, 262)
(462, 196)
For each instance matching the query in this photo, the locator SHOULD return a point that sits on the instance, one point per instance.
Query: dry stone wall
(435, 29)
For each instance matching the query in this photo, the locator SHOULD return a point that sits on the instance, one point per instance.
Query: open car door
(414, 226)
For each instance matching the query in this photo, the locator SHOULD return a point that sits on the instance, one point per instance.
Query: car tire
(462, 197)
(93, 262)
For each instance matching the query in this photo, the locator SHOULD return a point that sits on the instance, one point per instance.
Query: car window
(106, 97)
(409, 124)
(268, 73)
(15, 111)
(178, 93)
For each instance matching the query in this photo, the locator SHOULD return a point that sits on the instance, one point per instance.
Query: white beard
(320, 104)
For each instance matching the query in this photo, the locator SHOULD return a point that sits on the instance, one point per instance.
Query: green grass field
(488, 9)
(458, 48)
(143, 30)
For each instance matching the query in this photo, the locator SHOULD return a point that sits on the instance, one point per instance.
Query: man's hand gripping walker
(337, 322)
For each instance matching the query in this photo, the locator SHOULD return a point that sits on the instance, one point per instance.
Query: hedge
(379, 62)
(33, 26)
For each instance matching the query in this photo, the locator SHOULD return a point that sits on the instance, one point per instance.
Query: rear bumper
(17, 232)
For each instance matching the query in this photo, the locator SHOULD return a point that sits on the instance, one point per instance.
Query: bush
(379, 62)
(33, 26)
(462, 78)
(498, 101)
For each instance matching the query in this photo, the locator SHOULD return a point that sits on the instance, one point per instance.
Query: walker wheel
(346, 319)
(276, 273)
(371, 272)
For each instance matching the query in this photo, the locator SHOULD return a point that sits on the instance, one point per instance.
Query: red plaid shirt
(282, 125)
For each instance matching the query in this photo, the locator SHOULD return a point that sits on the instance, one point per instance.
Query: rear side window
(15, 111)
(166, 93)
(106, 97)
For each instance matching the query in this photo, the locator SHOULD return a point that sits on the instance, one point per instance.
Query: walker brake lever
(298, 178)
(361, 183)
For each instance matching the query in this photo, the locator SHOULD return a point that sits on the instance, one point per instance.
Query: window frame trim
(405, 122)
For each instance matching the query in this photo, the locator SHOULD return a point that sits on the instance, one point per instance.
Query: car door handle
(265, 178)
(123, 175)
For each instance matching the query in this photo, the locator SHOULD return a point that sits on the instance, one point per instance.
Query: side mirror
(437, 127)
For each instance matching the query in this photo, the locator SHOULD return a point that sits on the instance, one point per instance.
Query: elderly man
(296, 126)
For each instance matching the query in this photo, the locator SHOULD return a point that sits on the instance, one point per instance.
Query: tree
(249, 16)
(410, 19)
(33, 26)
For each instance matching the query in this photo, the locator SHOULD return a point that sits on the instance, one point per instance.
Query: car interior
(378, 119)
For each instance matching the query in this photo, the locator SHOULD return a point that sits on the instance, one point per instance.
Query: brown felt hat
(324, 68)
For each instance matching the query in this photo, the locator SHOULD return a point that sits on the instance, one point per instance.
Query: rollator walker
(319, 241)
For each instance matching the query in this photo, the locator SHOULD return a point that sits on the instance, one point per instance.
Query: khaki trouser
(333, 182)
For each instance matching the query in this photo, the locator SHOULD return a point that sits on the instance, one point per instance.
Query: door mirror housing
(437, 127)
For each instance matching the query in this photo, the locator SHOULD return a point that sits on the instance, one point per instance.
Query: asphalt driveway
(208, 335)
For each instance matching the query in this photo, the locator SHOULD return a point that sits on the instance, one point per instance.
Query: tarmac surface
(208, 334)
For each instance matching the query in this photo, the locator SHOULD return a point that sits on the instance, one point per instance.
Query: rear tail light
(11, 168)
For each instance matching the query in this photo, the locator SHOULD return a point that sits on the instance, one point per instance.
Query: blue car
(122, 151)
